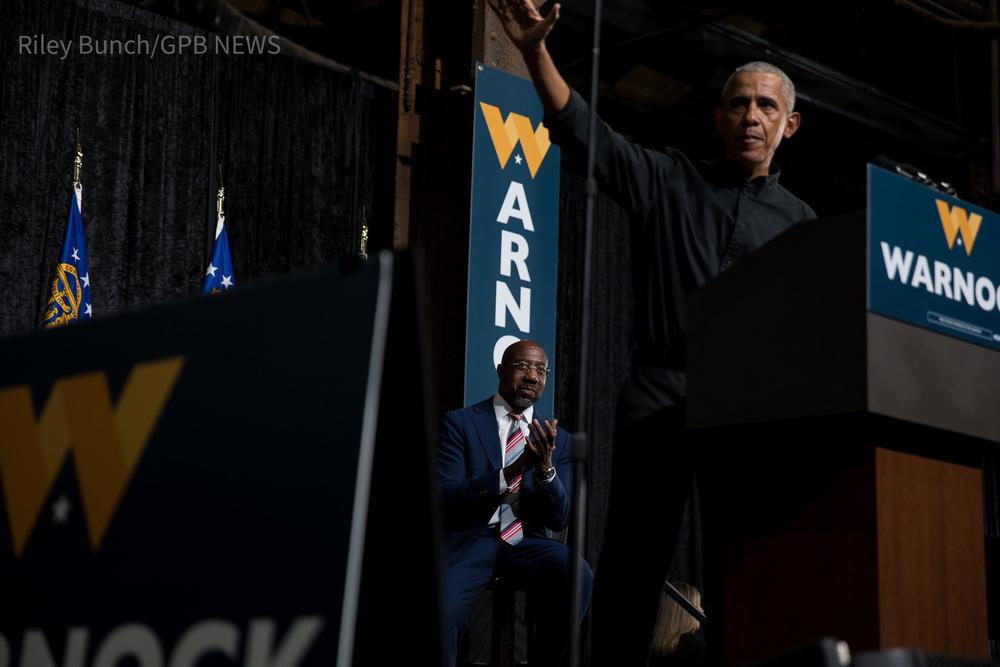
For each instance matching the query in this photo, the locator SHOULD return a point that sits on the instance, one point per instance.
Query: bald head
(518, 348)
(522, 372)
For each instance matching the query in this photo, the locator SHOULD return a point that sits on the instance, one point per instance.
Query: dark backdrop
(300, 145)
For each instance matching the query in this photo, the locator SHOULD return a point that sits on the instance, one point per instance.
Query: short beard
(523, 403)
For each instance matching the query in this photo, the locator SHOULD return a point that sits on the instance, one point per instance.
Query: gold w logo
(106, 442)
(958, 221)
(506, 134)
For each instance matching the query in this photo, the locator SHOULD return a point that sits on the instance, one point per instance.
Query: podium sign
(187, 484)
(933, 260)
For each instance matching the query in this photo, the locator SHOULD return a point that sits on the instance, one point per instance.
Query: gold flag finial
(363, 250)
(77, 159)
(220, 196)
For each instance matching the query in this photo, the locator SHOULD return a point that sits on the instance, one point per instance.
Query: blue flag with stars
(70, 297)
(219, 275)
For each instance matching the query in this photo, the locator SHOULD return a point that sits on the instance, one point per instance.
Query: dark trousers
(537, 565)
(652, 470)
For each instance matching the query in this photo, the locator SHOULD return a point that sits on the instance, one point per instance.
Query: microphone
(914, 174)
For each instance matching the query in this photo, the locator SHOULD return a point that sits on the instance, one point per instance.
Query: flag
(219, 275)
(70, 299)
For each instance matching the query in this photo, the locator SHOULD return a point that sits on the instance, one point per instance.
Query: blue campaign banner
(514, 231)
(166, 495)
(933, 259)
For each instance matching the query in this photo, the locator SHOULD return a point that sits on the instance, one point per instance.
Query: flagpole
(77, 159)
(219, 257)
(220, 200)
(70, 291)
(580, 444)
(78, 171)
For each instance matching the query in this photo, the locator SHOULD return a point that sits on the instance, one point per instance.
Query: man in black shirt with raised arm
(689, 221)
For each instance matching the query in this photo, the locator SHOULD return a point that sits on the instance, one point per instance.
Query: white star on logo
(86, 279)
(74, 255)
(60, 509)
(517, 158)
(227, 281)
(88, 312)
(211, 270)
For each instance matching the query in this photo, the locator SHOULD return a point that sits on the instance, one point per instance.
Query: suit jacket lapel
(485, 421)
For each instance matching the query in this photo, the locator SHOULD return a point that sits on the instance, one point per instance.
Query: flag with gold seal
(69, 299)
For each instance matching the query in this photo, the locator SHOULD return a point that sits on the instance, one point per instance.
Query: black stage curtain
(610, 332)
(610, 354)
(299, 144)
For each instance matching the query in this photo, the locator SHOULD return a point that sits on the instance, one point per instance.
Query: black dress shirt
(689, 221)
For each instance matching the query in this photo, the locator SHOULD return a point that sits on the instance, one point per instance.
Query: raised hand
(542, 441)
(523, 23)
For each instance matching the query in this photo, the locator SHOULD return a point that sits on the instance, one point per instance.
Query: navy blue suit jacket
(469, 465)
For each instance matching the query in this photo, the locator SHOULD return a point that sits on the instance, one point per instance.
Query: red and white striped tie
(510, 525)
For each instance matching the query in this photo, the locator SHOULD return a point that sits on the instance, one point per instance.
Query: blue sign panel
(165, 496)
(514, 231)
(933, 260)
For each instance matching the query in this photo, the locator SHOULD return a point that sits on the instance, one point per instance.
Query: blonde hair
(672, 620)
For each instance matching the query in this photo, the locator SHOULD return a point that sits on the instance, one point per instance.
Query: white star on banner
(227, 281)
(74, 255)
(517, 158)
(86, 280)
(60, 509)
(211, 270)
(88, 312)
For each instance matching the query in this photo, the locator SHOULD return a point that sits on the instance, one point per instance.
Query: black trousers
(653, 467)
(538, 565)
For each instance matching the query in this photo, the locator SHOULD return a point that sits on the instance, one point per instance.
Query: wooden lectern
(842, 449)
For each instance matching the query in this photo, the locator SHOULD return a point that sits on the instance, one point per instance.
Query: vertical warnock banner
(514, 231)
